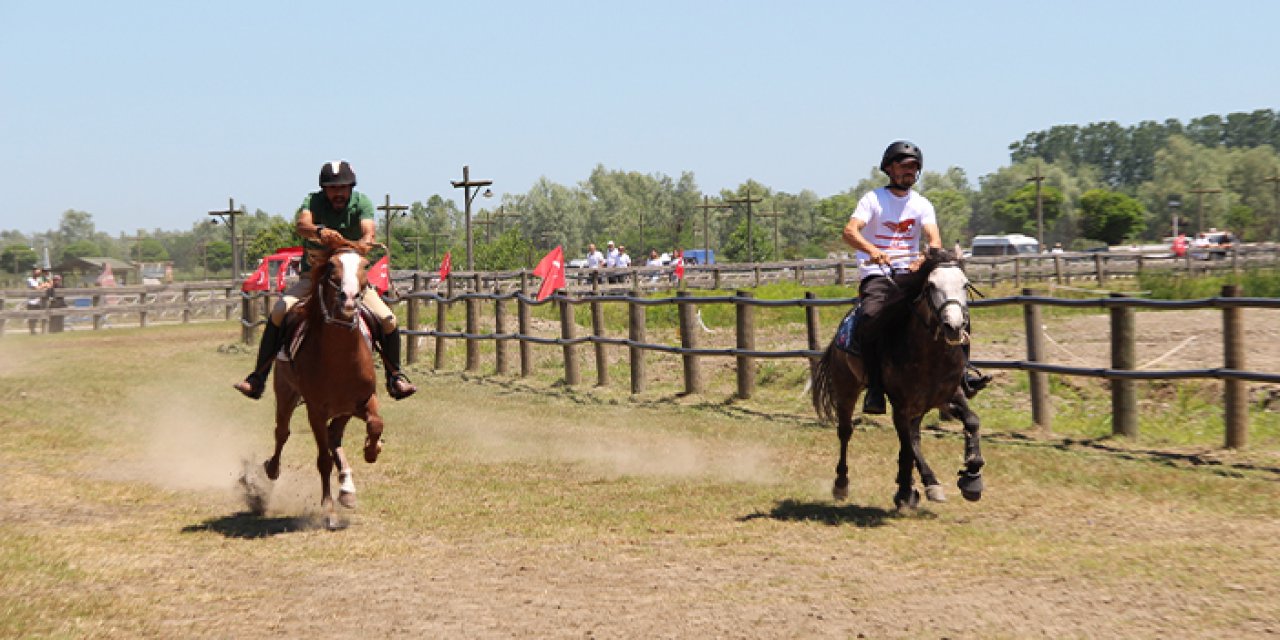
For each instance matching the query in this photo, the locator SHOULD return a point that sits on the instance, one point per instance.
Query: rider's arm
(853, 237)
(932, 236)
(368, 231)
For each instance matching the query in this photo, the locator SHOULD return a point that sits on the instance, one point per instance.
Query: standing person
(337, 209)
(896, 218)
(624, 261)
(1180, 245)
(611, 259)
(595, 260)
(38, 283)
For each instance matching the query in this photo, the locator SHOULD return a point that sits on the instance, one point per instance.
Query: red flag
(107, 279)
(679, 266)
(259, 281)
(281, 273)
(551, 270)
(380, 275)
(446, 266)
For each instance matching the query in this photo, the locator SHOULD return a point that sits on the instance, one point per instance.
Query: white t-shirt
(894, 225)
(624, 260)
(595, 259)
(611, 260)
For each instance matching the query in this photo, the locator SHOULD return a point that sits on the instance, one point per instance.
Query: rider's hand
(878, 257)
(330, 235)
(916, 264)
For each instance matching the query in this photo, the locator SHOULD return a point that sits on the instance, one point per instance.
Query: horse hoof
(346, 490)
(935, 493)
(333, 523)
(970, 485)
(907, 500)
(840, 490)
(272, 467)
(371, 450)
(346, 499)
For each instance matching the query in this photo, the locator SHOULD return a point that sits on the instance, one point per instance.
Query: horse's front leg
(932, 488)
(324, 464)
(844, 429)
(373, 430)
(970, 481)
(907, 496)
(286, 402)
(346, 484)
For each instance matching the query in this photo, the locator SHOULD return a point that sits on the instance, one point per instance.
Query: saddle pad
(844, 334)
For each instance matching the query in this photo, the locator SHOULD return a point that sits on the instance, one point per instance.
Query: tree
(1109, 216)
(149, 250)
(75, 225)
(82, 249)
(218, 255)
(275, 235)
(1017, 213)
(18, 257)
(735, 248)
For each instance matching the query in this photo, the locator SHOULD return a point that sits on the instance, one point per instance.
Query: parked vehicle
(1003, 245)
(700, 256)
(1211, 245)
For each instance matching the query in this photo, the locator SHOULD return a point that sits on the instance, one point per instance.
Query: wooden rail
(95, 308)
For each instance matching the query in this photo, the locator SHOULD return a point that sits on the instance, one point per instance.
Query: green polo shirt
(345, 221)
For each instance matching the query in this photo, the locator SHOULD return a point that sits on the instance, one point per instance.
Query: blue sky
(149, 114)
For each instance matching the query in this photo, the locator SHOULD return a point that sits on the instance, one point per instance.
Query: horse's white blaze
(350, 285)
(949, 285)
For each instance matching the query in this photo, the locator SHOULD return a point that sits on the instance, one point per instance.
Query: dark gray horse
(923, 360)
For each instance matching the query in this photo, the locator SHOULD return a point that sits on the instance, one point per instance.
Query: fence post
(499, 327)
(411, 348)
(1017, 272)
(1124, 401)
(473, 325)
(1237, 393)
(1099, 266)
(248, 316)
(689, 340)
(597, 331)
(226, 310)
(840, 273)
(442, 320)
(568, 331)
(1139, 268)
(98, 315)
(636, 332)
(715, 275)
(757, 274)
(522, 318)
(2, 319)
(1041, 415)
(1057, 268)
(142, 309)
(746, 328)
(186, 304)
(811, 329)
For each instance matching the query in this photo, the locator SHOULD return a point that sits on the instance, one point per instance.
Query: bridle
(937, 308)
(326, 280)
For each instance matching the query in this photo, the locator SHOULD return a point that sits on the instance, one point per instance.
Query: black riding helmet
(899, 150)
(337, 174)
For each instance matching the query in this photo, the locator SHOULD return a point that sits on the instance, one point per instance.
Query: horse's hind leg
(844, 429)
(346, 485)
(324, 464)
(970, 481)
(373, 431)
(932, 488)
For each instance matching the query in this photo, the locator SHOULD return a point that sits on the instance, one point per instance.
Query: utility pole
(1275, 182)
(137, 248)
(775, 215)
(228, 217)
(751, 250)
(706, 206)
(487, 223)
(389, 209)
(1038, 178)
(504, 215)
(470, 189)
(1200, 204)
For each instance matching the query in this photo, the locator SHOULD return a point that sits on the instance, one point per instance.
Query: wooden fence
(60, 309)
(1122, 372)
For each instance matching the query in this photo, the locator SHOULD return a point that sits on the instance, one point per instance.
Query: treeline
(1100, 183)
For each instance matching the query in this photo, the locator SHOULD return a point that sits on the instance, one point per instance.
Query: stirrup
(397, 377)
(973, 381)
(252, 386)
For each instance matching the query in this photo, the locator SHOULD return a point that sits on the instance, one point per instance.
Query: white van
(1004, 245)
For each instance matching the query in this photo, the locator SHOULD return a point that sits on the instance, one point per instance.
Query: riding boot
(398, 385)
(873, 402)
(256, 382)
(973, 380)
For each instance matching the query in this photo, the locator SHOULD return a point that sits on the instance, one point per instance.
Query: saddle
(846, 334)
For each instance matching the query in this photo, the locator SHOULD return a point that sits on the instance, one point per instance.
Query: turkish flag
(281, 273)
(380, 275)
(446, 266)
(259, 281)
(551, 270)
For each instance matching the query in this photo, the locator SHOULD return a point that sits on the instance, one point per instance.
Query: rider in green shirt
(336, 209)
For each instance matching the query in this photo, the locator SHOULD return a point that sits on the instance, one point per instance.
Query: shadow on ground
(831, 514)
(247, 525)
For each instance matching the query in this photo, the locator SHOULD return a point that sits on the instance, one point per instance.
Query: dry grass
(506, 508)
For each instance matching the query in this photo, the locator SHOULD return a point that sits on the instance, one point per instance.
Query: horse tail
(823, 387)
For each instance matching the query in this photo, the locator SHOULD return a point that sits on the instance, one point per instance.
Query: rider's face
(904, 172)
(338, 196)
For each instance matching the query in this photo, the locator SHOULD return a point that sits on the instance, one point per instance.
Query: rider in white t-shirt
(886, 229)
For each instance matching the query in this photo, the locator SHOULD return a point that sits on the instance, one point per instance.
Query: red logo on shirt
(901, 227)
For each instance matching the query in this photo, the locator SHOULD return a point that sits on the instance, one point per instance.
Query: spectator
(595, 260)
(1180, 245)
(1057, 248)
(611, 259)
(624, 262)
(38, 283)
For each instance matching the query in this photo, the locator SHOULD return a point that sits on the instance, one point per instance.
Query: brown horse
(331, 372)
(922, 360)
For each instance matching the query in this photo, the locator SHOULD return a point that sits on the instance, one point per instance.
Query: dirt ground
(499, 513)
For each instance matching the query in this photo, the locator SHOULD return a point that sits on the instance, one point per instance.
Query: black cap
(899, 150)
(337, 174)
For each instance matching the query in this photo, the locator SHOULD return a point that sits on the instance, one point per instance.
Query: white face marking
(949, 284)
(350, 264)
